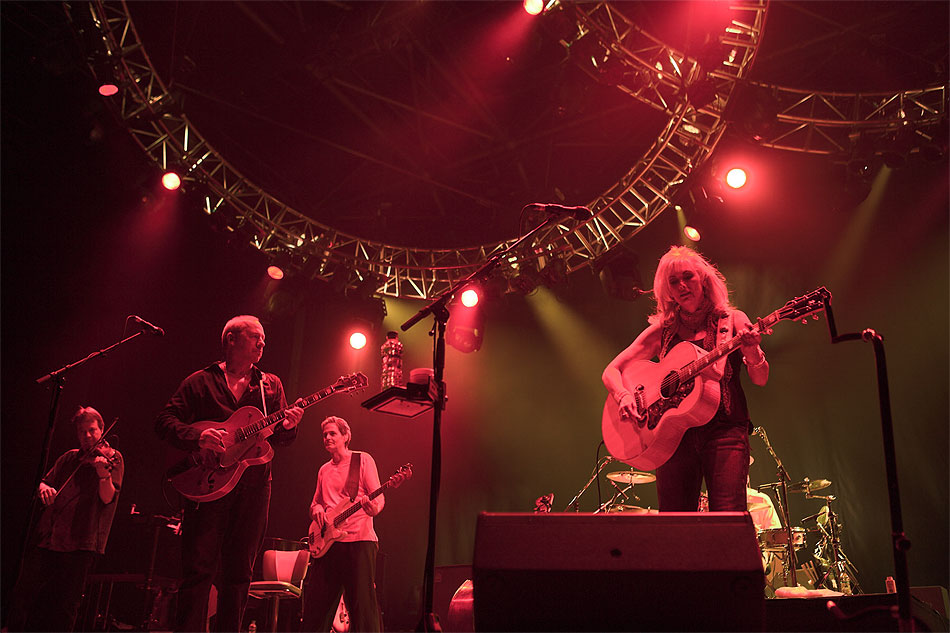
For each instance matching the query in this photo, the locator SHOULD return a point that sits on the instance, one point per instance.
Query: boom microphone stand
(58, 378)
(790, 564)
(899, 541)
(440, 313)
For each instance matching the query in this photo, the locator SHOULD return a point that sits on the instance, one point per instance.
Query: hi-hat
(631, 477)
(809, 485)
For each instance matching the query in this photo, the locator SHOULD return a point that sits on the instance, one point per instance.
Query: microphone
(578, 213)
(148, 327)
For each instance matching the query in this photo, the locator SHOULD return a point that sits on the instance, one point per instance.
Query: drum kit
(831, 568)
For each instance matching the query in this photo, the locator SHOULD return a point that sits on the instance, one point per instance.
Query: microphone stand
(597, 469)
(899, 541)
(440, 313)
(57, 378)
(790, 564)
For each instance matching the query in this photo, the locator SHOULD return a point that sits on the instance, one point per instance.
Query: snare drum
(775, 540)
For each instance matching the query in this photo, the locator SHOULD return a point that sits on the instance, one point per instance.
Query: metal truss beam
(318, 251)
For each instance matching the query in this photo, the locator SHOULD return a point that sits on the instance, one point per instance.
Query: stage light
(108, 89)
(692, 233)
(275, 272)
(357, 340)
(736, 178)
(470, 298)
(533, 7)
(171, 180)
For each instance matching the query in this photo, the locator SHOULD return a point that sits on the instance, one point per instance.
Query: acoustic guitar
(205, 475)
(680, 391)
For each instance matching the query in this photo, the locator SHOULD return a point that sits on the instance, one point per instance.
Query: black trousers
(347, 569)
(220, 542)
(49, 590)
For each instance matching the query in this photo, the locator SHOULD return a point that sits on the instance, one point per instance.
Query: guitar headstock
(801, 307)
(403, 473)
(352, 382)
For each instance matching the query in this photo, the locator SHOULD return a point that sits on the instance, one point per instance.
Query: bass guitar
(205, 475)
(321, 539)
(680, 391)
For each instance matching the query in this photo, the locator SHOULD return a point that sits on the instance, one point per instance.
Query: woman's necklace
(694, 321)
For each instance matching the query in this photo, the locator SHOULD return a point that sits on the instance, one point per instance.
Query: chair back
(285, 566)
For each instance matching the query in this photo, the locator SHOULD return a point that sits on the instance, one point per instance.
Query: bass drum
(341, 621)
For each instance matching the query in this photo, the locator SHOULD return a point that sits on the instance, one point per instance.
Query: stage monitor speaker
(618, 572)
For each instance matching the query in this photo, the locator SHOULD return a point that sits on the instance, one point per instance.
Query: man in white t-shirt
(346, 562)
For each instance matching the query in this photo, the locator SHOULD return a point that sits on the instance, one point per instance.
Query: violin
(100, 449)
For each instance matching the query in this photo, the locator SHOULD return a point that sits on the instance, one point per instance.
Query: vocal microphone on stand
(147, 327)
(578, 213)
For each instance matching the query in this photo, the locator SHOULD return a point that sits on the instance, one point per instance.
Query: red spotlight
(357, 340)
(171, 181)
(108, 89)
(736, 177)
(275, 272)
(469, 298)
(533, 7)
(691, 233)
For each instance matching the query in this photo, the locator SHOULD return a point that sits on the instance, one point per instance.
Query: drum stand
(839, 567)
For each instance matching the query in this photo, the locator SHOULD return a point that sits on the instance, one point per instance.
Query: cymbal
(619, 507)
(809, 485)
(631, 477)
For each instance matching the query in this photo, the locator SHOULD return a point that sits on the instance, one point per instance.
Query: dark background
(88, 239)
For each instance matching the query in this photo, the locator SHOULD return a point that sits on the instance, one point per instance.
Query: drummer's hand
(212, 439)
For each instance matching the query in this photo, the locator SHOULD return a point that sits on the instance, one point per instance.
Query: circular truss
(693, 93)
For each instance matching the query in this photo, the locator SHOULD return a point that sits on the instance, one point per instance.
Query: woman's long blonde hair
(678, 259)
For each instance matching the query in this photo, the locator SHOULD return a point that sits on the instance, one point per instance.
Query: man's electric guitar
(322, 539)
(205, 475)
(680, 391)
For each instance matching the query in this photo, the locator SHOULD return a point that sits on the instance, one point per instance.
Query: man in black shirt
(229, 529)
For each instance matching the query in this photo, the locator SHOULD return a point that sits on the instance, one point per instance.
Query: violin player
(79, 495)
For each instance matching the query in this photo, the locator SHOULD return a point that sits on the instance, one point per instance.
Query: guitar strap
(352, 486)
(261, 382)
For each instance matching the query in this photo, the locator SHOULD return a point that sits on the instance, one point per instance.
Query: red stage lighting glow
(275, 272)
(736, 178)
(357, 340)
(533, 7)
(171, 181)
(691, 233)
(469, 298)
(108, 89)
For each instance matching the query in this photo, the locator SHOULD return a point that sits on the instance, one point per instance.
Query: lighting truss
(163, 131)
(828, 123)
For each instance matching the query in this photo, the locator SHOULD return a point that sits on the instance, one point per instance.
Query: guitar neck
(723, 349)
(353, 509)
(278, 416)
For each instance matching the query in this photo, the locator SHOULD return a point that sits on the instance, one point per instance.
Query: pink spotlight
(533, 7)
(171, 181)
(357, 340)
(469, 298)
(736, 177)
(692, 233)
(108, 89)
(275, 272)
